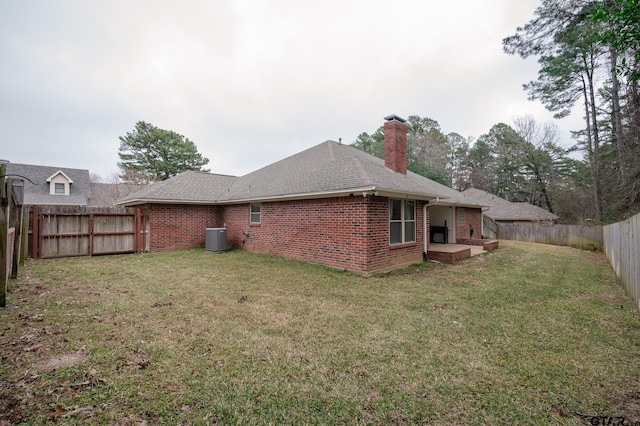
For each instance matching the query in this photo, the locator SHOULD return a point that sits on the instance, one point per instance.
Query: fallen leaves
(35, 395)
(84, 411)
(139, 364)
(34, 348)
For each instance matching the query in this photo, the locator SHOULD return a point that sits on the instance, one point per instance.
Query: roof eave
(36, 203)
(363, 191)
(525, 219)
(303, 196)
(471, 206)
(452, 202)
(138, 201)
(423, 196)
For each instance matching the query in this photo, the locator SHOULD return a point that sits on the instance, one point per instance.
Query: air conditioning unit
(215, 239)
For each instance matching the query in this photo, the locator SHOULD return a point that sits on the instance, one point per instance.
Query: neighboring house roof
(501, 209)
(325, 170)
(36, 186)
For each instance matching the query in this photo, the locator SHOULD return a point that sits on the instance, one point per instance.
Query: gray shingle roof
(36, 187)
(501, 209)
(188, 187)
(323, 170)
(105, 194)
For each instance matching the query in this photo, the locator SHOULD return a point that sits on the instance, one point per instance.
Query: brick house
(330, 204)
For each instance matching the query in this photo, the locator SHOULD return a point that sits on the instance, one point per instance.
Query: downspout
(424, 228)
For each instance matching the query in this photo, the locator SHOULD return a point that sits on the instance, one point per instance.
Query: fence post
(5, 193)
(91, 217)
(24, 244)
(137, 226)
(16, 200)
(35, 233)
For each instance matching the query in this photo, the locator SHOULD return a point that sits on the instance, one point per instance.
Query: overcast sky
(251, 82)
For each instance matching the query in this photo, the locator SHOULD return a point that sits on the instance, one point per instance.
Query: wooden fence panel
(64, 234)
(583, 237)
(114, 234)
(611, 235)
(622, 247)
(63, 231)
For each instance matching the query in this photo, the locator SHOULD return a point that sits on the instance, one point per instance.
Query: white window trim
(59, 177)
(252, 213)
(403, 222)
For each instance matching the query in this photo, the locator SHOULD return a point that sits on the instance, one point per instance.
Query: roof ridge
(362, 173)
(332, 153)
(207, 173)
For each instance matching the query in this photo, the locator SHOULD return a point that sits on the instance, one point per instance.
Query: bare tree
(540, 156)
(105, 192)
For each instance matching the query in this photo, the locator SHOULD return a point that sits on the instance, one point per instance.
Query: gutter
(364, 191)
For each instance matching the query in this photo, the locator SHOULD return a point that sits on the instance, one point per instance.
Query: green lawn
(527, 334)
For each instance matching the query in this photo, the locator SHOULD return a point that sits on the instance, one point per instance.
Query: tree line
(589, 57)
(519, 162)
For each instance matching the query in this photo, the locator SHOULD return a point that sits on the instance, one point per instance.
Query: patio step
(489, 244)
(449, 253)
(485, 244)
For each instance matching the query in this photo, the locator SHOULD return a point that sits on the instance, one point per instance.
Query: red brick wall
(466, 220)
(349, 233)
(178, 226)
(382, 256)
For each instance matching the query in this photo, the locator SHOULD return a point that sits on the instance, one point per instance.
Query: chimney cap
(393, 117)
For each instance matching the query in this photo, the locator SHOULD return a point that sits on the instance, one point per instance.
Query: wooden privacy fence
(578, 236)
(64, 231)
(622, 247)
(12, 229)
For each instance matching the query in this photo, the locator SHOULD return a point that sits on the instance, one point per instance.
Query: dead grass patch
(57, 362)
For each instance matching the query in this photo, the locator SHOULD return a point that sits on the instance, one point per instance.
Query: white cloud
(250, 82)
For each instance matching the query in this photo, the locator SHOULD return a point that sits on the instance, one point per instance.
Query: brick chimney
(395, 144)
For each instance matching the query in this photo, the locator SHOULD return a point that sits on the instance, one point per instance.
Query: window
(460, 211)
(402, 221)
(59, 183)
(254, 215)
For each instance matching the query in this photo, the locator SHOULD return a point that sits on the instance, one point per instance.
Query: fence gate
(65, 231)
